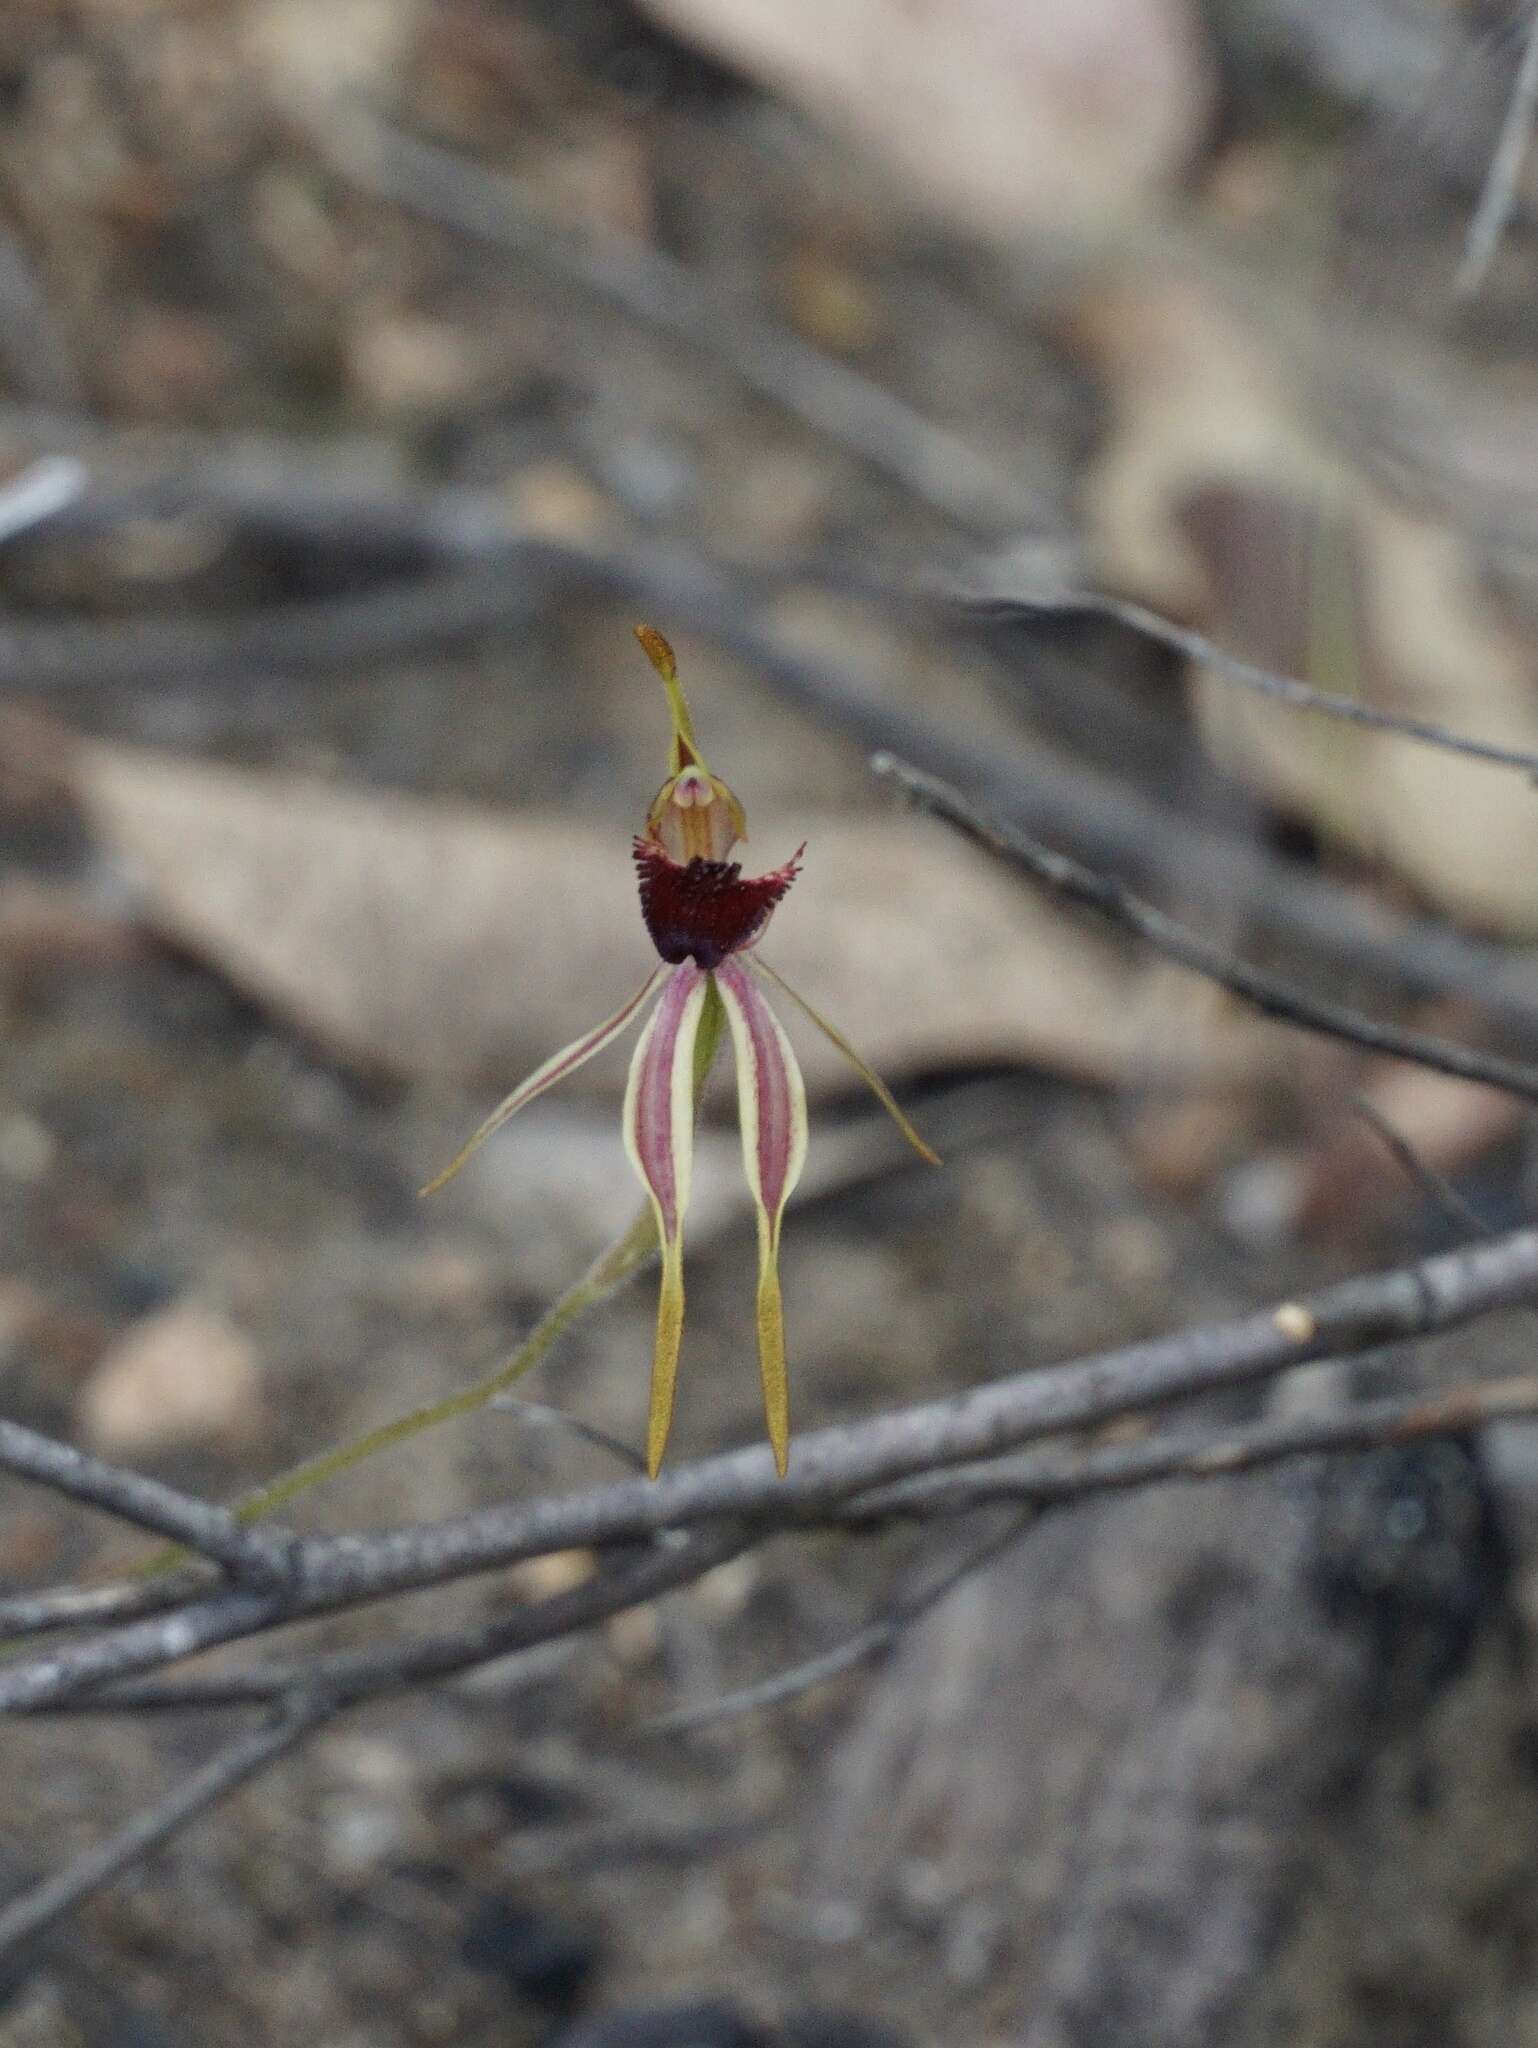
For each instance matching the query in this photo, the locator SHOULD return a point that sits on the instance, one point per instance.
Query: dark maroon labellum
(702, 910)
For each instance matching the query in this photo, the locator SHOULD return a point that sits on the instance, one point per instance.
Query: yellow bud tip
(686, 750)
(658, 653)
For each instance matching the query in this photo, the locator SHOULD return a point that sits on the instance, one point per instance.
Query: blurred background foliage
(412, 349)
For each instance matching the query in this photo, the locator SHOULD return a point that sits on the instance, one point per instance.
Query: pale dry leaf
(1015, 117)
(1217, 498)
(185, 1375)
(426, 938)
(319, 54)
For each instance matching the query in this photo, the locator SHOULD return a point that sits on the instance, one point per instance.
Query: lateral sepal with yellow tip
(771, 1107)
(659, 1138)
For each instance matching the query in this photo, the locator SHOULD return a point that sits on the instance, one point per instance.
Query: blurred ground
(185, 264)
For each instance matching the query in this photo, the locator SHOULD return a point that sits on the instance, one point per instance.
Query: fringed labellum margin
(704, 917)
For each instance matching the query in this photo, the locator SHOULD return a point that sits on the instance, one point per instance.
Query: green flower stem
(634, 1248)
(606, 1274)
(604, 1277)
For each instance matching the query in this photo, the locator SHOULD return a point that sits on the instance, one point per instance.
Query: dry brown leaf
(1014, 116)
(1216, 498)
(431, 939)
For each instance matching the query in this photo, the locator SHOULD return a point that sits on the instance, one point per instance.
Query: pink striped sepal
(771, 1108)
(659, 1137)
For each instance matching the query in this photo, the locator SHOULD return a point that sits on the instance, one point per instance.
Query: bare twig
(352, 1676)
(35, 1910)
(1037, 1480)
(309, 1695)
(1267, 993)
(1250, 675)
(309, 636)
(878, 1635)
(1046, 1481)
(1436, 1187)
(1500, 187)
(38, 493)
(59, 1607)
(571, 1425)
(828, 1467)
(262, 1556)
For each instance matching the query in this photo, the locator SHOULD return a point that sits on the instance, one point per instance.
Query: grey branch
(1434, 1185)
(309, 1694)
(1500, 187)
(1035, 1481)
(307, 1698)
(1265, 992)
(1044, 1480)
(1250, 675)
(876, 1636)
(36, 1910)
(265, 1556)
(60, 1607)
(828, 1467)
(836, 1476)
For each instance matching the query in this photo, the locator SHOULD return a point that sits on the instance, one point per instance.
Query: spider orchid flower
(705, 919)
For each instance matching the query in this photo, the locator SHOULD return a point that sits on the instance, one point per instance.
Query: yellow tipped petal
(771, 1104)
(556, 1068)
(771, 1345)
(866, 1072)
(670, 1330)
(659, 1138)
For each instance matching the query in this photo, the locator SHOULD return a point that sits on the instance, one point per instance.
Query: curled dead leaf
(1218, 498)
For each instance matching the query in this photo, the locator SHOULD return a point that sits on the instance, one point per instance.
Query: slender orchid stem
(633, 1249)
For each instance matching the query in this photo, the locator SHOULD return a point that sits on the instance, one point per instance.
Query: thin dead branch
(34, 1911)
(1249, 675)
(829, 1467)
(1268, 993)
(1499, 195)
(259, 1556)
(877, 1636)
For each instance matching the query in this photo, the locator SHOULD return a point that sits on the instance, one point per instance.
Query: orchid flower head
(705, 919)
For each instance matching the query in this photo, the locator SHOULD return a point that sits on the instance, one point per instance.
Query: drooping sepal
(771, 1101)
(659, 1138)
(556, 1068)
(862, 1067)
(703, 910)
